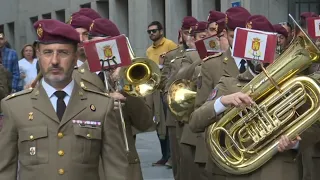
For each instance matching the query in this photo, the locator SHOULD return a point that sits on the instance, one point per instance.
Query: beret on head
(88, 12)
(51, 31)
(221, 23)
(236, 17)
(215, 16)
(80, 21)
(188, 22)
(105, 27)
(306, 15)
(201, 26)
(259, 22)
(280, 30)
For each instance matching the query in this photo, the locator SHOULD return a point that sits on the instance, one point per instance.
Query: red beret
(221, 23)
(236, 17)
(102, 26)
(53, 31)
(215, 16)
(90, 13)
(201, 26)
(79, 21)
(306, 15)
(280, 30)
(188, 22)
(259, 22)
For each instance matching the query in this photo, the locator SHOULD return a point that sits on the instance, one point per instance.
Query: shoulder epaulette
(212, 56)
(178, 57)
(172, 50)
(96, 92)
(26, 91)
(188, 50)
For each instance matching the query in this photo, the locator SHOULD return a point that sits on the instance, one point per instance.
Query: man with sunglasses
(160, 45)
(136, 112)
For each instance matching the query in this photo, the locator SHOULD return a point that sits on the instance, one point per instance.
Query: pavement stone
(148, 147)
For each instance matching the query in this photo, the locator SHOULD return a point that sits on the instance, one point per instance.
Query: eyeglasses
(152, 31)
(60, 53)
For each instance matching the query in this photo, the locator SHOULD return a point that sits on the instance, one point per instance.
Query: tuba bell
(181, 97)
(245, 139)
(142, 77)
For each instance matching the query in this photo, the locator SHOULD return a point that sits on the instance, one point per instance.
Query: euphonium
(245, 139)
(181, 97)
(142, 77)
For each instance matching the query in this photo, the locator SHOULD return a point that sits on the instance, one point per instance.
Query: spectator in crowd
(27, 65)
(159, 46)
(10, 62)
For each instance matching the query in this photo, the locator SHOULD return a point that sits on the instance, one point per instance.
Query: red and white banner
(251, 44)
(111, 52)
(208, 46)
(313, 24)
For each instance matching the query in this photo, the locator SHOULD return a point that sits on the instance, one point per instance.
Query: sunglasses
(152, 31)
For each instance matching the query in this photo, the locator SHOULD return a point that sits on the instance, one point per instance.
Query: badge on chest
(87, 124)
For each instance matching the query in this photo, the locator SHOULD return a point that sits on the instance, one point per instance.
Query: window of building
(61, 15)
(11, 35)
(305, 6)
(103, 7)
(87, 5)
(189, 7)
(46, 16)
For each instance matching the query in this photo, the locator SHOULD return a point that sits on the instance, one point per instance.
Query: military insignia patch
(199, 82)
(213, 94)
(30, 116)
(91, 26)
(40, 31)
(92, 107)
(32, 151)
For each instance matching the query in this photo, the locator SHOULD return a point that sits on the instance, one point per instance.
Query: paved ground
(148, 147)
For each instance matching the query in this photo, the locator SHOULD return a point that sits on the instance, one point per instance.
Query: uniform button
(89, 135)
(31, 137)
(61, 153)
(136, 160)
(61, 171)
(60, 135)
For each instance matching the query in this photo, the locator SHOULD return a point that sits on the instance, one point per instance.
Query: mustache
(55, 68)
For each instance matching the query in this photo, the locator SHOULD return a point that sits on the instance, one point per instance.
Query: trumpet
(142, 77)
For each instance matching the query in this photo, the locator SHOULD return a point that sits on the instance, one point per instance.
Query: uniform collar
(163, 39)
(51, 90)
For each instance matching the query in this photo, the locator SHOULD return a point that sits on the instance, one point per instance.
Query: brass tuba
(142, 77)
(181, 97)
(245, 139)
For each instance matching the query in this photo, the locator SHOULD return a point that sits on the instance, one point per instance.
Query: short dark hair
(156, 23)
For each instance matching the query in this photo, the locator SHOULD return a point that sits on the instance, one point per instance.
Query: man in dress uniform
(235, 17)
(213, 17)
(62, 130)
(81, 24)
(190, 159)
(136, 112)
(227, 93)
(174, 58)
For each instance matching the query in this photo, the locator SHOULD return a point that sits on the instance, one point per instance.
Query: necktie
(242, 66)
(61, 106)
